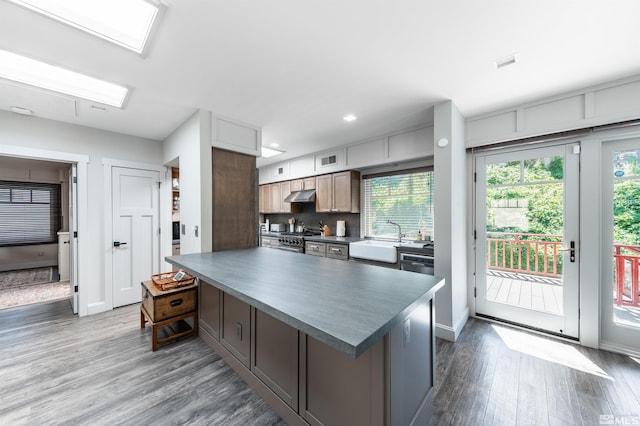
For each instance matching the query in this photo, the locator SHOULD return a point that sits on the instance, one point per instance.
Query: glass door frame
(567, 324)
(613, 336)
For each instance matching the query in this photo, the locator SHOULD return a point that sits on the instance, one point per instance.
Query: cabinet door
(209, 309)
(285, 190)
(275, 196)
(309, 183)
(236, 327)
(275, 356)
(265, 199)
(324, 193)
(342, 192)
(298, 185)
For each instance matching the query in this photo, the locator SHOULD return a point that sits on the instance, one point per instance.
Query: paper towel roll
(340, 228)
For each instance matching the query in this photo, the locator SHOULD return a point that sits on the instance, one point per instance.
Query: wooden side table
(169, 309)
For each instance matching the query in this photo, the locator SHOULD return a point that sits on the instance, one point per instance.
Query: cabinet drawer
(315, 249)
(164, 305)
(338, 251)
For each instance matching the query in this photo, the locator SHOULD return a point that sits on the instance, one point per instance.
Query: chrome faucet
(399, 230)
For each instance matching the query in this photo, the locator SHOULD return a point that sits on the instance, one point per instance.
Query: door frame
(608, 330)
(108, 165)
(570, 328)
(80, 262)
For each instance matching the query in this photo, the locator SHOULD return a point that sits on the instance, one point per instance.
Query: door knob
(118, 244)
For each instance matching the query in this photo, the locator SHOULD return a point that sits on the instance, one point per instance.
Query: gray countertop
(347, 305)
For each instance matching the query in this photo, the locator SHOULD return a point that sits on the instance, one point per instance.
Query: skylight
(29, 71)
(268, 152)
(123, 22)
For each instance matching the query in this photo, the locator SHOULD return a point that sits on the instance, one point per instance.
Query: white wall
(191, 144)
(450, 218)
(20, 135)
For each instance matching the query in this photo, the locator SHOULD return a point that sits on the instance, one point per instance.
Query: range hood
(306, 196)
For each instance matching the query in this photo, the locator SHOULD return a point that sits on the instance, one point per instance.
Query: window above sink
(404, 197)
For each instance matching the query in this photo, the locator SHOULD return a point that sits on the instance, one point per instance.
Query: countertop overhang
(347, 305)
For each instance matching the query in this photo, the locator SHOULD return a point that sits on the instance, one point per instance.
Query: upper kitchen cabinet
(272, 198)
(338, 192)
(303, 184)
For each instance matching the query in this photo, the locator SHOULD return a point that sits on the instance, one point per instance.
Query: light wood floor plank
(519, 384)
(57, 368)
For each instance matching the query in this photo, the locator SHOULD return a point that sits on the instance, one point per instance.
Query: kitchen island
(323, 341)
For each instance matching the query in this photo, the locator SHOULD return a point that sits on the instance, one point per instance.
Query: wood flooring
(497, 375)
(58, 369)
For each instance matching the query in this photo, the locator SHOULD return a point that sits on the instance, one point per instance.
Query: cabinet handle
(336, 250)
(314, 248)
(176, 302)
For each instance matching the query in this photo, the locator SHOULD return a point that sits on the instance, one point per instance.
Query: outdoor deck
(526, 291)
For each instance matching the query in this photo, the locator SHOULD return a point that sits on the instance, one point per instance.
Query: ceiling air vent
(326, 161)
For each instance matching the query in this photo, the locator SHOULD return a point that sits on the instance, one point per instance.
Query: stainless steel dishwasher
(420, 263)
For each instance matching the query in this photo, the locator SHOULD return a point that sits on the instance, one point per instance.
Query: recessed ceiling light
(349, 117)
(124, 22)
(268, 152)
(35, 73)
(506, 61)
(274, 144)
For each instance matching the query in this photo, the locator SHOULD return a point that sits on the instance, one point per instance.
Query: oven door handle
(288, 249)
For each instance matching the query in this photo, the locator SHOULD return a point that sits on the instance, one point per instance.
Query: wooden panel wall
(235, 185)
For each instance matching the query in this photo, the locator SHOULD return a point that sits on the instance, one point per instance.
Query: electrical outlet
(406, 331)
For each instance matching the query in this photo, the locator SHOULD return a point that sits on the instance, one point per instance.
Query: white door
(73, 238)
(621, 245)
(136, 243)
(527, 228)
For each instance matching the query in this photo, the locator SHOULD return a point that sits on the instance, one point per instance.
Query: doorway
(620, 297)
(35, 247)
(527, 228)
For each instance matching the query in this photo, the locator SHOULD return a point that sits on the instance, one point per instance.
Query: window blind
(405, 198)
(30, 213)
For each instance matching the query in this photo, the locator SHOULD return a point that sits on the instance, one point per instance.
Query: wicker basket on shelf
(166, 281)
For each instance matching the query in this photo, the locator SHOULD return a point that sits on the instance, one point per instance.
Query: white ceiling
(295, 67)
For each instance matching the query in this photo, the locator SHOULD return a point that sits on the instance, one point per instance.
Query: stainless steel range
(293, 241)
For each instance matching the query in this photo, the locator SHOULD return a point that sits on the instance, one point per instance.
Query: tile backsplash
(312, 219)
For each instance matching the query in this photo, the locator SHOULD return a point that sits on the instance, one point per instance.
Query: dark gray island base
(323, 341)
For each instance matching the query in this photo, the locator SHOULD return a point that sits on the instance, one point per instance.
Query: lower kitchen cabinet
(338, 251)
(310, 382)
(274, 356)
(315, 249)
(337, 389)
(209, 309)
(236, 327)
(333, 251)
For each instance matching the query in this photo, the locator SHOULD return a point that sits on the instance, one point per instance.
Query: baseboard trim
(620, 349)
(452, 333)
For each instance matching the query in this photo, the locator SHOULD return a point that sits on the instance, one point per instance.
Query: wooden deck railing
(539, 254)
(626, 260)
(534, 254)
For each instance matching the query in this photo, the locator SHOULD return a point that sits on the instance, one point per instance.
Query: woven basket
(165, 281)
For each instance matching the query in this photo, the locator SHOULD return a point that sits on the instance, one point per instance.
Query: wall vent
(326, 161)
(280, 170)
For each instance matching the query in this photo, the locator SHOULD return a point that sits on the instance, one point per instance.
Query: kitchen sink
(379, 250)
